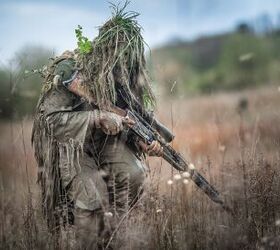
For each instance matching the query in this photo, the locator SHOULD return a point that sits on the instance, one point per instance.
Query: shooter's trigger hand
(154, 149)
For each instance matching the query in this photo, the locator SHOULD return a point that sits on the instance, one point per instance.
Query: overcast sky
(51, 23)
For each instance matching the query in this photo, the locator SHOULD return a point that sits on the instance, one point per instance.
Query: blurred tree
(244, 28)
(22, 89)
(244, 61)
(5, 97)
(206, 52)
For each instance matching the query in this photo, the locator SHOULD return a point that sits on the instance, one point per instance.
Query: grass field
(232, 139)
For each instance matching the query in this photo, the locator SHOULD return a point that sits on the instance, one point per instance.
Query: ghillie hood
(117, 58)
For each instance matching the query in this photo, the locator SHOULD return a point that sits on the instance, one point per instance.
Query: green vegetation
(84, 44)
(232, 61)
(5, 107)
(20, 83)
(226, 62)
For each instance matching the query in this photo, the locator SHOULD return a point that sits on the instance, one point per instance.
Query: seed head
(186, 174)
(185, 181)
(191, 166)
(108, 214)
(169, 182)
(177, 177)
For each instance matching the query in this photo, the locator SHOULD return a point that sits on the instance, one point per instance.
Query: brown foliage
(238, 151)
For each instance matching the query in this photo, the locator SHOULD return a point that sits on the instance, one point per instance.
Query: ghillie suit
(49, 143)
(117, 58)
(83, 171)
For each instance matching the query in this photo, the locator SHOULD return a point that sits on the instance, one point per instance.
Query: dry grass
(237, 151)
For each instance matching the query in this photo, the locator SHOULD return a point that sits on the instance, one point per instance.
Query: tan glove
(154, 149)
(110, 123)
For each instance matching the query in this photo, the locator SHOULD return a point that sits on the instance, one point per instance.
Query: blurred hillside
(245, 58)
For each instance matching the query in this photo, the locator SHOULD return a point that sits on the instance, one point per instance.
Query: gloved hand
(110, 123)
(154, 149)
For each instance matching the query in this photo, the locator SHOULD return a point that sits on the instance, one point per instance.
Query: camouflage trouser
(108, 186)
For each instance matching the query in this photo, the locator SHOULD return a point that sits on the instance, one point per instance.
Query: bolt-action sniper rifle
(148, 129)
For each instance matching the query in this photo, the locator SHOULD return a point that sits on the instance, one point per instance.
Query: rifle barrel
(179, 163)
